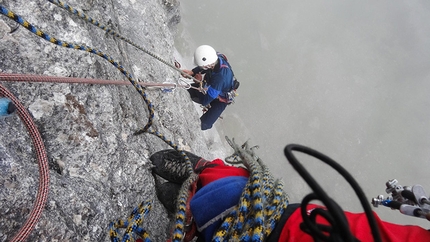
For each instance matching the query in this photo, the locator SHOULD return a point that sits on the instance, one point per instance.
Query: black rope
(339, 230)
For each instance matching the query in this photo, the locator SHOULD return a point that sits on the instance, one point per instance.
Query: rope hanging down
(179, 228)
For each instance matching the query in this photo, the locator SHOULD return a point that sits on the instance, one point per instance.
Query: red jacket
(359, 227)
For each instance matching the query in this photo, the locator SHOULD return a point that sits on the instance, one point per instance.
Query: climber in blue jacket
(218, 79)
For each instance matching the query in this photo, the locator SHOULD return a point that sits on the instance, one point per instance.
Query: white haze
(347, 78)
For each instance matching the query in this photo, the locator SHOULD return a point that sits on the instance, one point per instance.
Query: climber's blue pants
(210, 116)
(213, 113)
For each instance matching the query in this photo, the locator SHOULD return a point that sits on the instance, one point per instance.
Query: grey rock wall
(99, 170)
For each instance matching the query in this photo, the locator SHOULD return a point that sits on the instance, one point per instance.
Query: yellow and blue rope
(179, 231)
(132, 225)
(115, 34)
(261, 205)
(83, 47)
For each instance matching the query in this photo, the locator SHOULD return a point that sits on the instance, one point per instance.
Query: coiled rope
(339, 229)
(42, 161)
(179, 228)
(262, 202)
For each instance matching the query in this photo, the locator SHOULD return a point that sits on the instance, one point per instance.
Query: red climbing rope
(39, 78)
(42, 160)
(42, 194)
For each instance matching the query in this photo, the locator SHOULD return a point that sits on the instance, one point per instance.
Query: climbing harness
(229, 97)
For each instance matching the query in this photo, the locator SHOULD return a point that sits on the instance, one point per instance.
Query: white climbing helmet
(205, 55)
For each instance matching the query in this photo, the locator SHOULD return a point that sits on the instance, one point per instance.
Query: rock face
(99, 171)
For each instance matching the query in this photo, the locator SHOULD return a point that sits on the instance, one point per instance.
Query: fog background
(347, 78)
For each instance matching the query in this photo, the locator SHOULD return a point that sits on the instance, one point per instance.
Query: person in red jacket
(220, 188)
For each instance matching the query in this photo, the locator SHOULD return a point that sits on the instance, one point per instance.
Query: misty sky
(347, 78)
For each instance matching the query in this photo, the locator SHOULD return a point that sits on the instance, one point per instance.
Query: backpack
(228, 97)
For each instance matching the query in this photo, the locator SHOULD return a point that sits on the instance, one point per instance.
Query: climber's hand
(199, 77)
(188, 72)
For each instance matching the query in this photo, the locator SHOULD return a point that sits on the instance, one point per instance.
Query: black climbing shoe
(171, 165)
(168, 193)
